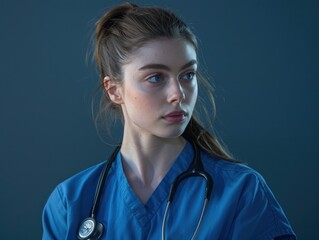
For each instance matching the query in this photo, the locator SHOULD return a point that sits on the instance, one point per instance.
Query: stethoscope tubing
(101, 182)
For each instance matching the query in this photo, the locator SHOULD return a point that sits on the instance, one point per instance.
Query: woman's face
(159, 88)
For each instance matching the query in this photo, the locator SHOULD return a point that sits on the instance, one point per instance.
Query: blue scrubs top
(241, 206)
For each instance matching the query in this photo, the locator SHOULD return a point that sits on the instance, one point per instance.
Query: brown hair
(124, 29)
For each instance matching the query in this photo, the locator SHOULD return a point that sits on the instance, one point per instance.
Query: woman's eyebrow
(165, 67)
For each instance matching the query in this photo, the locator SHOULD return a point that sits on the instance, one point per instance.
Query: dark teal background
(262, 55)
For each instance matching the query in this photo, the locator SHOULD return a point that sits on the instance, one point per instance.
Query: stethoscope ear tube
(208, 191)
(192, 173)
(195, 170)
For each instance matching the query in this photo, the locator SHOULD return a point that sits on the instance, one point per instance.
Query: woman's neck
(146, 161)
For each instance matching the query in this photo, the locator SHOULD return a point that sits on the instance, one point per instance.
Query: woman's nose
(176, 92)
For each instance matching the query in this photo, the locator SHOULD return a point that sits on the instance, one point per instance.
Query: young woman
(148, 69)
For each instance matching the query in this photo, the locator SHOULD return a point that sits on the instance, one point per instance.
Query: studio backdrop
(261, 56)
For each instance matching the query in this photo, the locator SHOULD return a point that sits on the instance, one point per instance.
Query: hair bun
(112, 17)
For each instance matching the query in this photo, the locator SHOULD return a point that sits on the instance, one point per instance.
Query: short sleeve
(259, 215)
(54, 218)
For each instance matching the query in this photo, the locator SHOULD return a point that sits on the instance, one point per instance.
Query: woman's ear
(113, 90)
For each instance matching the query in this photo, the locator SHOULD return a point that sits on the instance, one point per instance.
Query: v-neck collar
(143, 213)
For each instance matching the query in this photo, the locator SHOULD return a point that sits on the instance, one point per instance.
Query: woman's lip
(175, 114)
(175, 117)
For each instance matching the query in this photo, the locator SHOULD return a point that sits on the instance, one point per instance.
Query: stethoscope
(90, 229)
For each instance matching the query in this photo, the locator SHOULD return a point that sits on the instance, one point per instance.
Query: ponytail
(205, 140)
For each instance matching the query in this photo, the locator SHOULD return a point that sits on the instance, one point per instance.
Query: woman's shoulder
(67, 199)
(244, 188)
(229, 171)
(72, 187)
(88, 174)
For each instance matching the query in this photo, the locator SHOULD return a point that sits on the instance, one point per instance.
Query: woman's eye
(154, 79)
(188, 76)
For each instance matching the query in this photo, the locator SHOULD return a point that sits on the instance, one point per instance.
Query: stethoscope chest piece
(90, 229)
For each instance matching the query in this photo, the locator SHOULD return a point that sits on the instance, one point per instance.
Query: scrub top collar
(143, 213)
